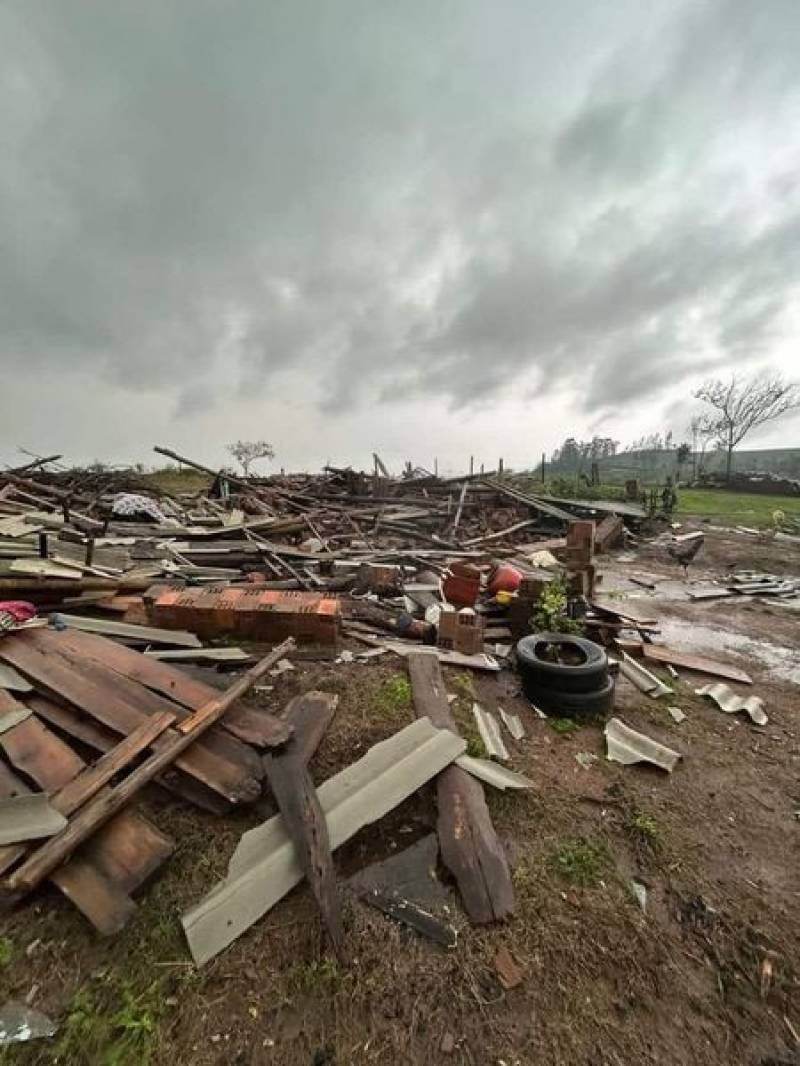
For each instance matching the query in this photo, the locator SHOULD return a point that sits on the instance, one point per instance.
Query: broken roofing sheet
(731, 702)
(627, 746)
(265, 865)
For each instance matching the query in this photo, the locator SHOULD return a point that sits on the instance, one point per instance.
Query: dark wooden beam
(469, 845)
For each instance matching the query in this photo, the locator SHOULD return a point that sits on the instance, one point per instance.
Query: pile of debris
(108, 586)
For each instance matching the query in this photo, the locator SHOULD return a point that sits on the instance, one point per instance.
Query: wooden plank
(89, 780)
(106, 906)
(97, 737)
(236, 757)
(93, 778)
(248, 724)
(73, 682)
(688, 661)
(103, 807)
(144, 634)
(119, 858)
(299, 804)
(469, 844)
(40, 755)
(128, 849)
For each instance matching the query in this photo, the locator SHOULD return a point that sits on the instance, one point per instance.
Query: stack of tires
(565, 675)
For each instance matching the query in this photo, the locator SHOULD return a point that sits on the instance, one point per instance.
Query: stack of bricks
(609, 534)
(460, 631)
(578, 557)
(268, 615)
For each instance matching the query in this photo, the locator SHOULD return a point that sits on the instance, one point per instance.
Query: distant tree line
(733, 408)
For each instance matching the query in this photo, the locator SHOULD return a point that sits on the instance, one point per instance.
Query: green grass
(319, 976)
(737, 508)
(644, 829)
(6, 950)
(110, 1021)
(581, 862)
(565, 727)
(395, 693)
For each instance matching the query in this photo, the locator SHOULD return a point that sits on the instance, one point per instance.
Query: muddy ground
(707, 974)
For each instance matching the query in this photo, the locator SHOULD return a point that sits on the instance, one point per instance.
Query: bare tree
(701, 434)
(246, 452)
(739, 406)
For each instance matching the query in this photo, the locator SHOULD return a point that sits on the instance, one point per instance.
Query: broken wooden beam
(469, 845)
(296, 796)
(98, 811)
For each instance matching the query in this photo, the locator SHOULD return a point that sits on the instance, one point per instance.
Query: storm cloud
(381, 207)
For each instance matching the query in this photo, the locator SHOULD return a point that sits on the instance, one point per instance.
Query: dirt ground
(708, 973)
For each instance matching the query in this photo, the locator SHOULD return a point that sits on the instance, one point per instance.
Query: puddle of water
(689, 636)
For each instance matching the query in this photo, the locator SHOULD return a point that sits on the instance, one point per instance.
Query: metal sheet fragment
(492, 774)
(642, 678)
(731, 702)
(513, 724)
(626, 746)
(29, 817)
(20, 1023)
(14, 717)
(265, 867)
(490, 733)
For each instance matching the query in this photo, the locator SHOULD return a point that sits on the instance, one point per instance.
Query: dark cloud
(395, 201)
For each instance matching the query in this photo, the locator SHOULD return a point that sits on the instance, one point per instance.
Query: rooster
(684, 549)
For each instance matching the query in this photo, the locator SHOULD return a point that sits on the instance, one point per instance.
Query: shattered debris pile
(116, 597)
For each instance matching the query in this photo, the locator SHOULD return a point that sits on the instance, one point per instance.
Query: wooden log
(469, 844)
(291, 784)
(98, 811)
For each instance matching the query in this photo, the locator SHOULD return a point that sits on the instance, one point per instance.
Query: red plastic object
(461, 585)
(505, 578)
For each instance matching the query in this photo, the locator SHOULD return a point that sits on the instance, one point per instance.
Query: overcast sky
(434, 228)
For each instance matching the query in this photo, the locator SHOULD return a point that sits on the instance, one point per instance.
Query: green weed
(111, 1022)
(6, 950)
(581, 862)
(565, 727)
(395, 693)
(313, 976)
(644, 830)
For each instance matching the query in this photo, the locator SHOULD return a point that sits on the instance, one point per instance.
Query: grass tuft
(565, 727)
(6, 950)
(581, 862)
(395, 693)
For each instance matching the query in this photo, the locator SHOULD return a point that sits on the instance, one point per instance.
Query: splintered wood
(469, 844)
(108, 697)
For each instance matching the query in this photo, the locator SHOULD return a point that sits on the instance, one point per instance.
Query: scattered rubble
(115, 594)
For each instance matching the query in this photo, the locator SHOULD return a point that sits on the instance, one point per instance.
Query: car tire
(586, 676)
(571, 704)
